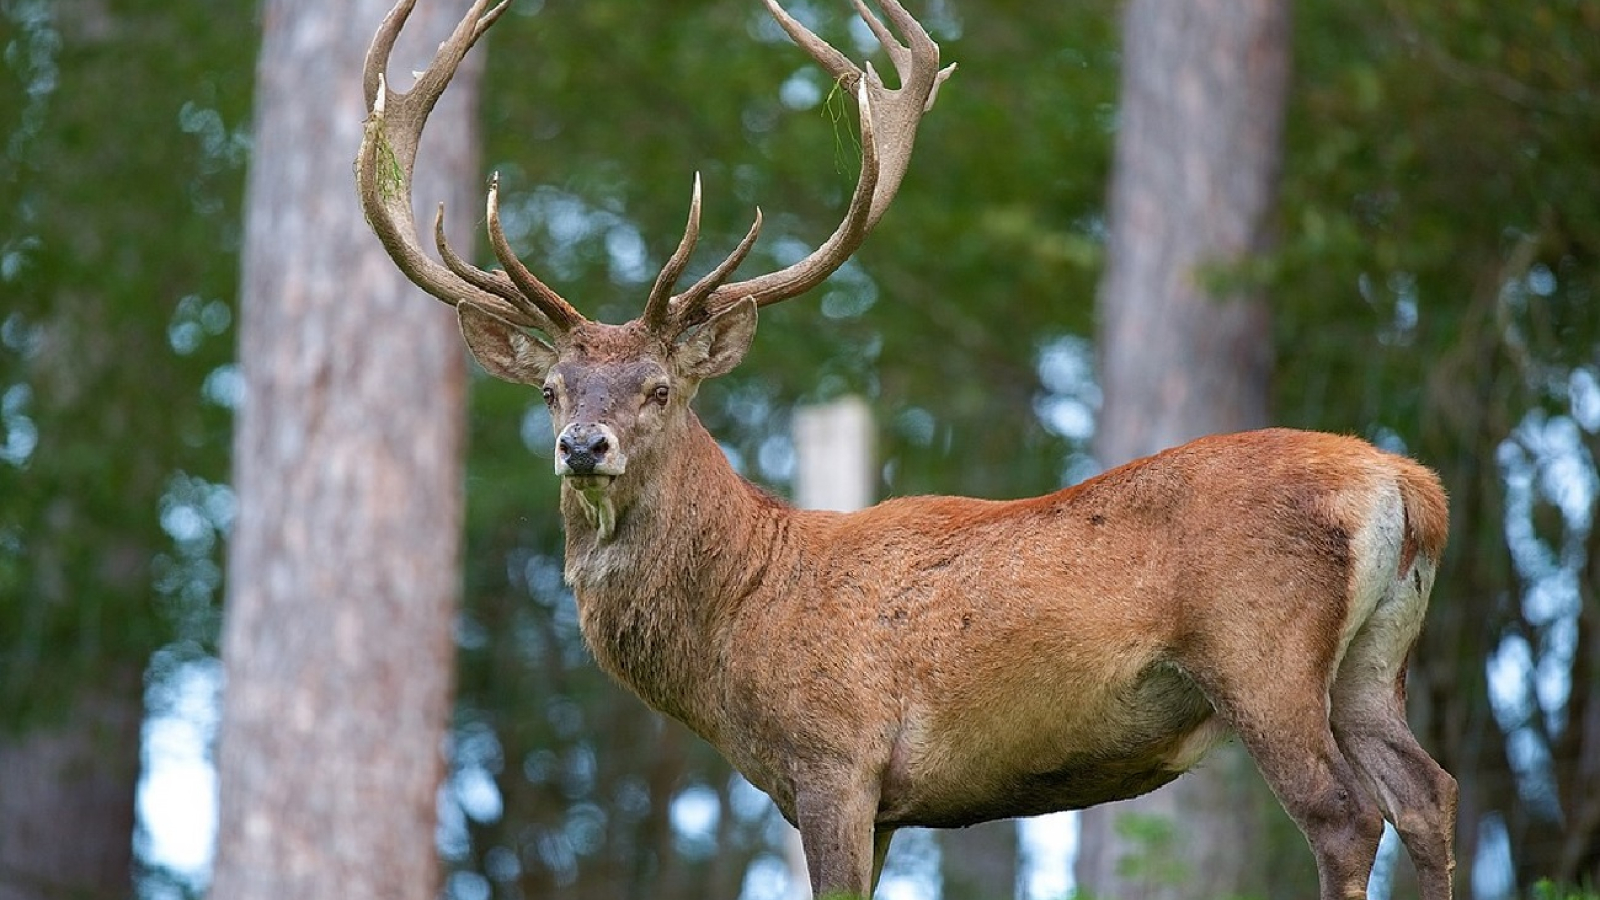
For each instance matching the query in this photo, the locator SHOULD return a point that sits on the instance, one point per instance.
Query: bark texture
(345, 560)
(1186, 351)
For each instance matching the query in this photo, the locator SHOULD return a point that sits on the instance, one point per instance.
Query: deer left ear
(720, 344)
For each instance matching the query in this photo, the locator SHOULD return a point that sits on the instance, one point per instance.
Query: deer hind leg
(1369, 722)
(1415, 793)
(1321, 792)
(1279, 710)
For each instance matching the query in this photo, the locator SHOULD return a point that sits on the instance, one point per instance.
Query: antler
(889, 120)
(384, 167)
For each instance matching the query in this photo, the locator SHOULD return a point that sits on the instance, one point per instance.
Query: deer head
(615, 390)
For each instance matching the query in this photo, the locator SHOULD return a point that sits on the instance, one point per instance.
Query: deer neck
(689, 542)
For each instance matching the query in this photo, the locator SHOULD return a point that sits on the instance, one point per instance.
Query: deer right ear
(504, 350)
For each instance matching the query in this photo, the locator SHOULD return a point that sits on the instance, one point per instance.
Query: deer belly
(1022, 762)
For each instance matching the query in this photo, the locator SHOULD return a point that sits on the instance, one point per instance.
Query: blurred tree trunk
(981, 862)
(1186, 351)
(66, 799)
(344, 567)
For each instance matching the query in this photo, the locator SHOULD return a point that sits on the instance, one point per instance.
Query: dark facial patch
(606, 391)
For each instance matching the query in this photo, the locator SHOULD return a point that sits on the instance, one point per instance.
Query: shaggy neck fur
(657, 591)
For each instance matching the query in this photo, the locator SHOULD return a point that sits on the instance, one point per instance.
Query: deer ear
(504, 350)
(720, 344)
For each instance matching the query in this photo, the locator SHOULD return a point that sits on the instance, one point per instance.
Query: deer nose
(582, 447)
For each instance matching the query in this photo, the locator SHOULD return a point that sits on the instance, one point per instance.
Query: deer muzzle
(589, 450)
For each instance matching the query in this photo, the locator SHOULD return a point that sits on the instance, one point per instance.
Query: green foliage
(1431, 169)
(1153, 838)
(1546, 889)
(118, 260)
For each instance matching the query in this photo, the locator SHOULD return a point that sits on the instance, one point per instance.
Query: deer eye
(549, 395)
(661, 393)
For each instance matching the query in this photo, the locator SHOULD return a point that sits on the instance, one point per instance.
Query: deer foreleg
(880, 852)
(836, 830)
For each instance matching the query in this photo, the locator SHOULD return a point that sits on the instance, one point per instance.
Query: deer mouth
(594, 495)
(591, 482)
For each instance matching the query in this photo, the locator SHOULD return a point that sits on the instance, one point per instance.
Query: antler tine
(689, 307)
(889, 120)
(905, 56)
(387, 158)
(656, 308)
(560, 313)
(492, 282)
(830, 59)
(496, 283)
(916, 64)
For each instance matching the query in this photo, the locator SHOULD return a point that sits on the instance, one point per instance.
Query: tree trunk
(344, 567)
(1186, 351)
(66, 798)
(981, 862)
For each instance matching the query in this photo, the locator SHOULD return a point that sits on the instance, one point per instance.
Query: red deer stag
(940, 661)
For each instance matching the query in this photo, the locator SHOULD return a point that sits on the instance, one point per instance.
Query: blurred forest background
(1433, 287)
